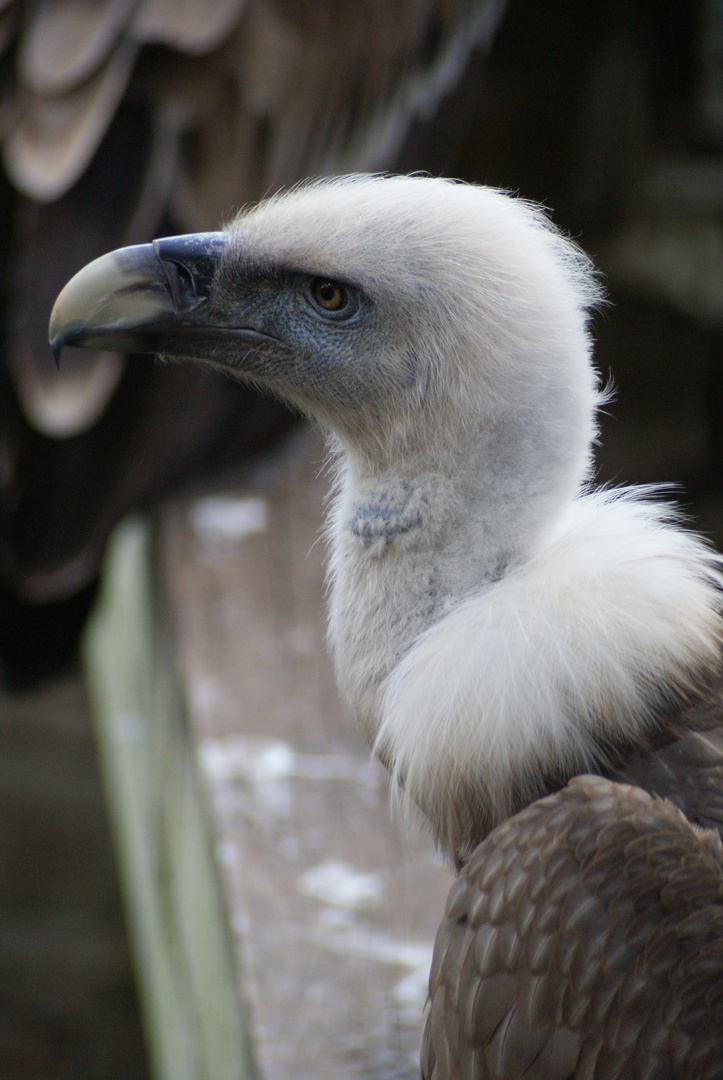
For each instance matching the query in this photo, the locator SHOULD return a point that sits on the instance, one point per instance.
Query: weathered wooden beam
(283, 921)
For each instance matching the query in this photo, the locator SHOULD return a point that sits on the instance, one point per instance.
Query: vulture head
(496, 626)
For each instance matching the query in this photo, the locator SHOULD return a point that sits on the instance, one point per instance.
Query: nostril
(189, 266)
(182, 285)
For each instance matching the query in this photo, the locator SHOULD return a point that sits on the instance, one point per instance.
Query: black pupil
(330, 295)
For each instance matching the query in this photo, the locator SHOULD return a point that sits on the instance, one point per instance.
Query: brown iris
(329, 294)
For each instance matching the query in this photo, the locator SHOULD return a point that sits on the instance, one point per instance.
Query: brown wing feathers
(584, 939)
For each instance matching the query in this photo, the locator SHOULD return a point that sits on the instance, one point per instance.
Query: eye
(329, 295)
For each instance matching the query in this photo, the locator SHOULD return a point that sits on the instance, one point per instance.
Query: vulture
(536, 661)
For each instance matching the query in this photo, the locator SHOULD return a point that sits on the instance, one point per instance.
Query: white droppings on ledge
(341, 885)
(258, 761)
(229, 517)
(346, 935)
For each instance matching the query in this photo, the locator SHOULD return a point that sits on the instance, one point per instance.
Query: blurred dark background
(122, 120)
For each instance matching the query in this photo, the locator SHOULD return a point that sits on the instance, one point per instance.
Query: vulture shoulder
(583, 939)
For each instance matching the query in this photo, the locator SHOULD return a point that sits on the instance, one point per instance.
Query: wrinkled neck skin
(403, 552)
(412, 533)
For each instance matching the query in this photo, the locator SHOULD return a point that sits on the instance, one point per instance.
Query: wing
(584, 939)
(684, 763)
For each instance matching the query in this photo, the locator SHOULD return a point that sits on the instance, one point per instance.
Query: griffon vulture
(537, 662)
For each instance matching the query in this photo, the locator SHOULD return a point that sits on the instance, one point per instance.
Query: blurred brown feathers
(121, 120)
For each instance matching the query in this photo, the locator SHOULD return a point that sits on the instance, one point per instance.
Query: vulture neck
(495, 631)
(426, 520)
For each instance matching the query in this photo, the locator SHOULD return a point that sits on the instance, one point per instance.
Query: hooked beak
(152, 298)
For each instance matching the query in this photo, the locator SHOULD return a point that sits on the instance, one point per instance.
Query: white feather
(585, 643)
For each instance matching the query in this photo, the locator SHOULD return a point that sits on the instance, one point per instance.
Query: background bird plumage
(130, 120)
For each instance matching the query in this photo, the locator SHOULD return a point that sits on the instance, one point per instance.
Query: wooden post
(283, 921)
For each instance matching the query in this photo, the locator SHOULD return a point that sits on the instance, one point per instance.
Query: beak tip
(55, 338)
(58, 334)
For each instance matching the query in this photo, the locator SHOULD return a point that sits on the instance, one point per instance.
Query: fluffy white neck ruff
(475, 703)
